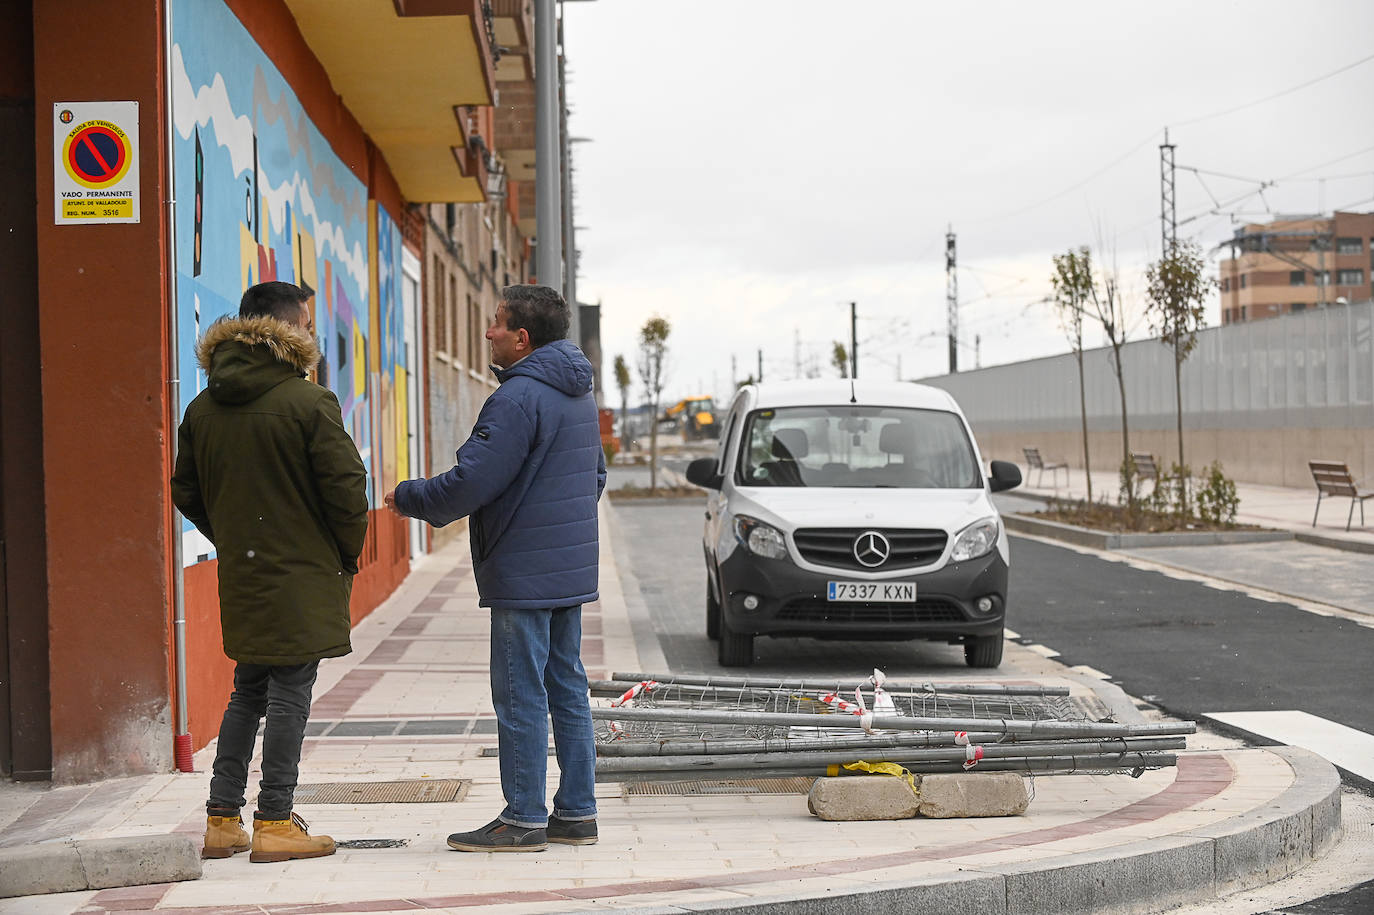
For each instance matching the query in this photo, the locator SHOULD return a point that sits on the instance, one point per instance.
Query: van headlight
(759, 538)
(975, 540)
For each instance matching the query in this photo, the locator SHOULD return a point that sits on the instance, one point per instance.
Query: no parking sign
(95, 162)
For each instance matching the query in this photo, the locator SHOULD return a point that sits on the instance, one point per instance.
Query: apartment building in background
(1295, 263)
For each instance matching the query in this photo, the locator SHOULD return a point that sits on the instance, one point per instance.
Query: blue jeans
(282, 694)
(537, 673)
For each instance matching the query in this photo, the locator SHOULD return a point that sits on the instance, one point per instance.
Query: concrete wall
(1262, 397)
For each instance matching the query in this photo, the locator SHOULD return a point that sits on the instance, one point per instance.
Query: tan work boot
(283, 840)
(224, 836)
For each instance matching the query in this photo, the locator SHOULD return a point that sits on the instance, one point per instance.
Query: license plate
(871, 591)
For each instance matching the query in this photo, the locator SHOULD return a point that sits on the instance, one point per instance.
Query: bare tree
(653, 357)
(622, 381)
(839, 358)
(1109, 310)
(1176, 289)
(1073, 284)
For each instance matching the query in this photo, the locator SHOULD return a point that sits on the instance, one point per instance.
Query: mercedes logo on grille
(871, 549)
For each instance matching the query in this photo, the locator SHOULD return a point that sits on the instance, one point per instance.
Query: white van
(852, 510)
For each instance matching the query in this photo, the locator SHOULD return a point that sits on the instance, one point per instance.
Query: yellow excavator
(696, 416)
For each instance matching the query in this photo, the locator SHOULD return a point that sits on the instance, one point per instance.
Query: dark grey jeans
(282, 694)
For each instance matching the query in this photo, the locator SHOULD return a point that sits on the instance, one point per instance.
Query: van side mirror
(702, 472)
(1005, 475)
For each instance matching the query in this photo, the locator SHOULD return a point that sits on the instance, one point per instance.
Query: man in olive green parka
(267, 472)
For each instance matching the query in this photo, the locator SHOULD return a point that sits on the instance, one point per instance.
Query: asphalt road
(1188, 647)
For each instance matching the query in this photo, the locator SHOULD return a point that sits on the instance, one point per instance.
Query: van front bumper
(792, 601)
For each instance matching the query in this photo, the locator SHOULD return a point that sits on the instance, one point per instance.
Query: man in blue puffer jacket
(529, 477)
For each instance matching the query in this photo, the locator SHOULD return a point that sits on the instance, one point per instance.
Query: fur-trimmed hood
(243, 357)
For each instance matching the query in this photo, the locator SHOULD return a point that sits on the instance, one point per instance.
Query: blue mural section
(262, 196)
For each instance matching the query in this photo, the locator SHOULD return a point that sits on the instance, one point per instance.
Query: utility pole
(548, 198)
(952, 300)
(796, 352)
(1168, 216)
(853, 340)
(978, 351)
(734, 374)
(760, 365)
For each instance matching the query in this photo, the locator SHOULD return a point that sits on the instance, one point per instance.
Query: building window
(453, 318)
(1323, 277)
(1225, 284)
(1349, 246)
(1297, 307)
(1297, 278)
(1349, 277)
(440, 309)
(1243, 278)
(1243, 310)
(475, 333)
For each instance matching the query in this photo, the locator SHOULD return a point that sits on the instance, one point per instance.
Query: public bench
(1146, 467)
(1035, 462)
(1333, 479)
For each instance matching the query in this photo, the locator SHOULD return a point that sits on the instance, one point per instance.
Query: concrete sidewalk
(412, 703)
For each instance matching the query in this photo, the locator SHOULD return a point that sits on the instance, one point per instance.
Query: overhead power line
(1270, 98)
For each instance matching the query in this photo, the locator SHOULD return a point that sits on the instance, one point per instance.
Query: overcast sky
(756, 165)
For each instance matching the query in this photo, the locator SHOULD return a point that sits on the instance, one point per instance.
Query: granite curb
(1245, 850)
(97, 864)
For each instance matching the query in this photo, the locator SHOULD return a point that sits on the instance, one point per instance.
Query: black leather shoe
(572, 832)
(499, 836)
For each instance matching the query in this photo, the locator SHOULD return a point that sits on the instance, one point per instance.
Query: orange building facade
(1293, 264)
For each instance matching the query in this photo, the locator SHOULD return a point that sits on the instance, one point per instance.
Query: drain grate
(411, 791)
(798, 785)
(373, 843)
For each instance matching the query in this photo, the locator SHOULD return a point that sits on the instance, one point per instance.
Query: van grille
(809, 610)
(834, 546)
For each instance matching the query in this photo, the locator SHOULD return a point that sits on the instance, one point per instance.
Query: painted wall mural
(262, 196)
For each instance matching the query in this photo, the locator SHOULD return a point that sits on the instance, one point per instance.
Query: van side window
(723, 447)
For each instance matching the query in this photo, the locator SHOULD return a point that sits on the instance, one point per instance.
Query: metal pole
(1168, 218)
(952, 299)
(875, 746)
(853, 340)
(181, 739)
(1043, 728)
(892, 688)
(905, 755)
(760, 365)
(565, 162)
(547, 162)
(1045, 765)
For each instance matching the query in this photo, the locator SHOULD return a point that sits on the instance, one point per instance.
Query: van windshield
(858, 446)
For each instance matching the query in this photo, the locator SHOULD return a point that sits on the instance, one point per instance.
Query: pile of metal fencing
(674, 728)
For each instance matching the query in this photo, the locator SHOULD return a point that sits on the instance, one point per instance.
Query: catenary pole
(853, 340)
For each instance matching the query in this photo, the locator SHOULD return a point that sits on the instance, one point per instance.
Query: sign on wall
(95, 162)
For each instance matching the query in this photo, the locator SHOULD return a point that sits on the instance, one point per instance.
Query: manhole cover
(412, 791)
(373, 843)
(798, 785)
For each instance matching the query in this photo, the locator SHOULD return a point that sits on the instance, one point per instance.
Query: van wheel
(735, 649)
(983, 651)
(712, 612)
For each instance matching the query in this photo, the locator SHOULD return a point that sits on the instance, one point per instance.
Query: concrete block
(49, 867)
(1148, 876)
(866, 797)
(94, 864)
(973, 794)
(138, 860)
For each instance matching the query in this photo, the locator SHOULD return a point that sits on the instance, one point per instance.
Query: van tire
(983, 650)
(712, 612)
(735, 649)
